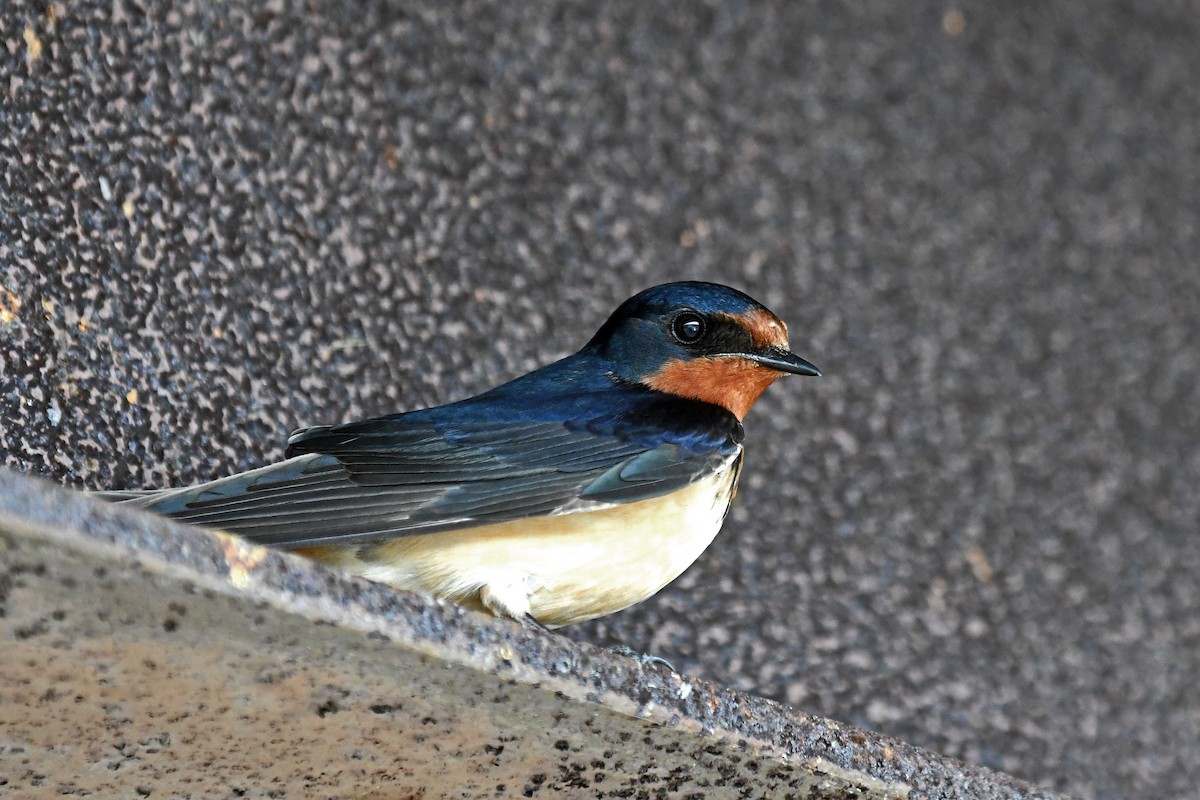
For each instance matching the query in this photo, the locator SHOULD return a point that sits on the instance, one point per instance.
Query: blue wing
(493, 458)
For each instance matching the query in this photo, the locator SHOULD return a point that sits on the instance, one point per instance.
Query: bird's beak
(784, 361)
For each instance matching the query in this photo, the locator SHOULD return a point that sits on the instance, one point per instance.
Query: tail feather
(180, 501)
(127, 495)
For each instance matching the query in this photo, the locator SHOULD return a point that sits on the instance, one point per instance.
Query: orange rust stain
(731, 382)
(10, 304)
(766, 330)
(241, 557)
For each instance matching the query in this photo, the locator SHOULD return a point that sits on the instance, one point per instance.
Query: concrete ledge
(143, 658)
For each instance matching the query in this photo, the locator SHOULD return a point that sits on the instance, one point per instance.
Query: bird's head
(702, 341)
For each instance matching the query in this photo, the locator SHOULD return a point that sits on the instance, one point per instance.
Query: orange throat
(728, 381)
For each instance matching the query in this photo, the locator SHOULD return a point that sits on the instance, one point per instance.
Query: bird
(563, 495)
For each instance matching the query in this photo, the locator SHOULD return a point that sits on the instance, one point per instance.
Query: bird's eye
(688, 327)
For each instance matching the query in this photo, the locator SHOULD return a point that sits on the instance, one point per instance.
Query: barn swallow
(566, 494)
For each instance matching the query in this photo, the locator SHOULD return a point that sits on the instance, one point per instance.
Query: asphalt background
(978, 533)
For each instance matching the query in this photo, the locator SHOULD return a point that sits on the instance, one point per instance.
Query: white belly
(560, 569)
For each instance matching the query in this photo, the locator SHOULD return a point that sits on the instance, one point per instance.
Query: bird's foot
(644, 659)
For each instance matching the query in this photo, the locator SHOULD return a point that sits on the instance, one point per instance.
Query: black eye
(688, 327)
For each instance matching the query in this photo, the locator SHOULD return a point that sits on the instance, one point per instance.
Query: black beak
(784, 361)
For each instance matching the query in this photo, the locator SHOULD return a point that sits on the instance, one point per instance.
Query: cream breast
(560, 569)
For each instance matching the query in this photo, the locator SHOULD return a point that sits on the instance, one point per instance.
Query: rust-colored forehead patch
(766, 330)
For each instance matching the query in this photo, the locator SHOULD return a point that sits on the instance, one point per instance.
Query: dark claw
(529, 621)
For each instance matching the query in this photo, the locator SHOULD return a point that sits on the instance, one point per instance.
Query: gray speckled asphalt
(978, 533)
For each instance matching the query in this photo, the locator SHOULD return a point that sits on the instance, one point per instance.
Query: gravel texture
(978, 533)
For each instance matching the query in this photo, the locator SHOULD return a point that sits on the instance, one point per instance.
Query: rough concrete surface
(199, 666)
(977, 534)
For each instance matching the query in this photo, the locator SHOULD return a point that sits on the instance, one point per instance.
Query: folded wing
(419, 473)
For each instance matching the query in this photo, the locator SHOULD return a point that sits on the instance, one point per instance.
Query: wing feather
(431, 471)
